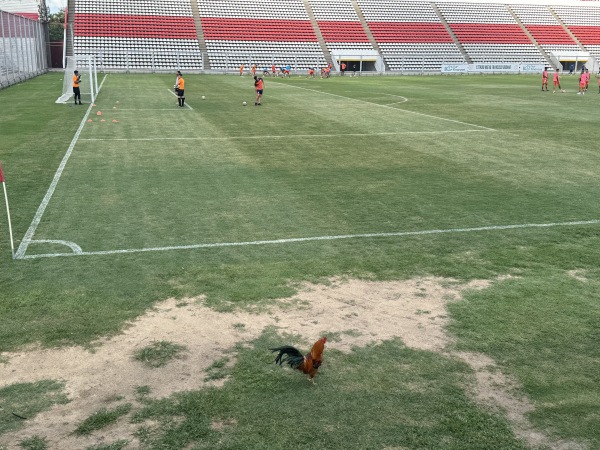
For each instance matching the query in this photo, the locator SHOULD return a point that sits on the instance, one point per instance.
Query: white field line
(42, 208)
(186, 104)
(146, 109)
(388, 106)
(404, 99)
(314, 238)
(287, 136)
(73, 246)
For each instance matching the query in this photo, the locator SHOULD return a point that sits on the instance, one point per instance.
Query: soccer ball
(244, 103)
(203, 97)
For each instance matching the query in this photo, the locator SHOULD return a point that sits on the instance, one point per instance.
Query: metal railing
(143, 60)
(22, 49)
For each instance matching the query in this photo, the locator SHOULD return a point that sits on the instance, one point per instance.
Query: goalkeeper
(180, 89)
(175, 87)
(76, 91)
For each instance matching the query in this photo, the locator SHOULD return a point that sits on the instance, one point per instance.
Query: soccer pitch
(320, 159)
(442, 232)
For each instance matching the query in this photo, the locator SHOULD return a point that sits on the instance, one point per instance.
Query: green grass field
(375, 178)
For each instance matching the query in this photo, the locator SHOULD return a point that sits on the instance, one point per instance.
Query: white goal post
(86, 65)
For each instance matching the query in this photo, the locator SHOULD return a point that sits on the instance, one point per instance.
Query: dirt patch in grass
(353, 314)
(579, 275)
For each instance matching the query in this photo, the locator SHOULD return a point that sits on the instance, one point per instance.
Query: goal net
(593, 65)
(86, 65)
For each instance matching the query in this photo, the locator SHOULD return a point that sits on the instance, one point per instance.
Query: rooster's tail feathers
(290, 355)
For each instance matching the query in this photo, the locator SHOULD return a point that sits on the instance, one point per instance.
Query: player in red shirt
(582, 83)
(556, 79)
(258, 85)
(587, 78)
(545, 79)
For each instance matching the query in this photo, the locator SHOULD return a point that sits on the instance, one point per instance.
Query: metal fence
(22, 49)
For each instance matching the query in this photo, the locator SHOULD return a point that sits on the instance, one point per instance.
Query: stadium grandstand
(391, 36)
(402, 36)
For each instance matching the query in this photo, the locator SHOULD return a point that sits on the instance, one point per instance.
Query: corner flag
(3, 181)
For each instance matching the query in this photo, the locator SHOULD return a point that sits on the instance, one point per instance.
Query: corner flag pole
(12, 245)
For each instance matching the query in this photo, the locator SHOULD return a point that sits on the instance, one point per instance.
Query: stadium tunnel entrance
(574, 61)
(358, 61)
(359, 65)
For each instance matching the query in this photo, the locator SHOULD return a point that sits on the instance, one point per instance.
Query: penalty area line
(187, 104)
(146, 109)
(42, 208)
(319, 238)
(388, 106)
(287, 136)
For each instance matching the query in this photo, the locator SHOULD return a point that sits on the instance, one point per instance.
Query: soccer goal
(86, 65)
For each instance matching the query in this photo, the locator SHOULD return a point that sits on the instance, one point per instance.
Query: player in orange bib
(180, 86)
(241, 70)
(76, 91)
(258, 85)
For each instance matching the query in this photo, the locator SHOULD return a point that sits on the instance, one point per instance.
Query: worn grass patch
(20, 402)
(34, 443)
(384, 396)
(217, 370)
(545, 332)
(101, 419)
(159, 353)
(119, 445)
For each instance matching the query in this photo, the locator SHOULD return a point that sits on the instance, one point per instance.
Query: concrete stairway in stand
(530, 36)
(365, 26)
(454, 38)
(70, 28)
(200, 34)
(321, 39)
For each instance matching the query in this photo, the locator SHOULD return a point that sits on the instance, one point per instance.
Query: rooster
(308, 364)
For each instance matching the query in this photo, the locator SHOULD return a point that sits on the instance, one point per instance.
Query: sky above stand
(56, 5)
